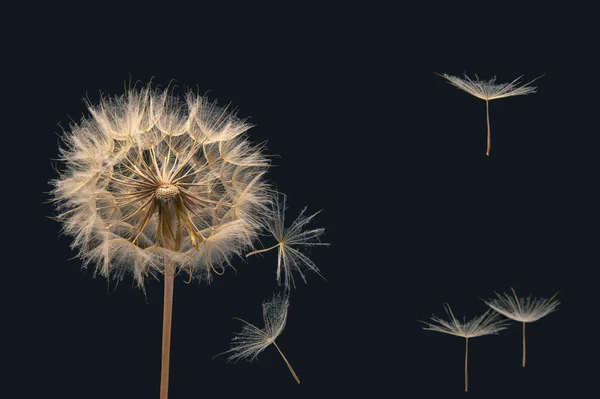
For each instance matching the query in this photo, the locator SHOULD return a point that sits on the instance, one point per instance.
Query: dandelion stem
(524, 351)
(286, 362)
(169, 274)
(466, 364)
(489, 135)
(262, 250)
(166, 334)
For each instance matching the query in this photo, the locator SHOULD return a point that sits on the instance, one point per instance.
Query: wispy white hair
(486, 324)
(144, 151)
(291, 241)
(489, 89)
(251, 341)
(525, 310)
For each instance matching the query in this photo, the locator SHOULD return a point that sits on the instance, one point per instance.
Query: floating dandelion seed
(158, 185)
(289, 239)
(524, 310)
(485, 324)
(249, 343)
(488, 91)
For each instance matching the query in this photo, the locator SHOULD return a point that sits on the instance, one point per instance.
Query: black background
(417, 215)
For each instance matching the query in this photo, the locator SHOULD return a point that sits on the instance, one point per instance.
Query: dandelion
(155, 184)
(524, 310)
(289, 240)
(488, 91)
(485, 324)
(249, 343)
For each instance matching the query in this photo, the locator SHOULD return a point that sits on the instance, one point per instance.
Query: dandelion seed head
(150, 177)
(526, 310)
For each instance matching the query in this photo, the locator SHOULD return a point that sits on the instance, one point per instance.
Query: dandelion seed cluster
(151, 179)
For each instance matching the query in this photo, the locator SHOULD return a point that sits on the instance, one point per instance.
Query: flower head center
(166, 192)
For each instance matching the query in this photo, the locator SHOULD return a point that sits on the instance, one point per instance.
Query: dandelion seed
(485, 324)
(524, 310)
(158, 185)
(488, 91)
(289, 242)
(249, 343)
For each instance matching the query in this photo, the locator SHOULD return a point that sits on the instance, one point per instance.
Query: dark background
(417, 215)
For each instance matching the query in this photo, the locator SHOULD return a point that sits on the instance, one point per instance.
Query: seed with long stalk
(524, 310)
(485, 324)
(488, 91)
(249, 343)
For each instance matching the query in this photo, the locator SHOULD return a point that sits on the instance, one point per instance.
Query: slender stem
(166, 333)
(288, 363)
(524, 351)
(489, 135)
(261, 250)
(466, 364)
(169, 274)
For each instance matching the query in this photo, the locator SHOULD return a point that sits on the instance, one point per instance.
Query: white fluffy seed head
(144, 150)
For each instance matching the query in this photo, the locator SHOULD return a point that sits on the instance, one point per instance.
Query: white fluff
(117, 160)
(485, 324)
(252, 340)
(249, 343)
(526, 310)
(489, 89)
(290, 242)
